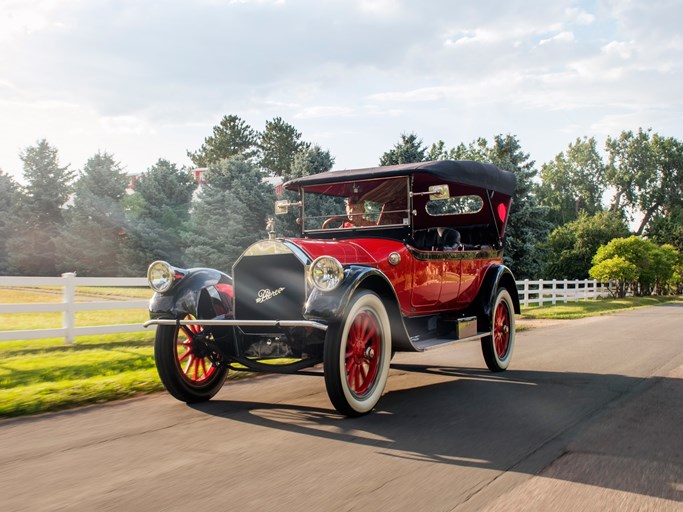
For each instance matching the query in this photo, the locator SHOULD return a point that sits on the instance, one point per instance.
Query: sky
(148, 79)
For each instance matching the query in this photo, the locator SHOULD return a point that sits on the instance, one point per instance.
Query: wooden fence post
(69, 320)
(526, 293)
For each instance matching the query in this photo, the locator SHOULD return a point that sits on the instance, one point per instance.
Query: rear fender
(497, 276)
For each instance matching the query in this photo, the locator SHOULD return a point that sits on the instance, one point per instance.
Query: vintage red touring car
(397, 258)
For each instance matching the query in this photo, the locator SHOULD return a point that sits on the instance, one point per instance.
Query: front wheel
(188, 366)
(497, 349)
(357, 355)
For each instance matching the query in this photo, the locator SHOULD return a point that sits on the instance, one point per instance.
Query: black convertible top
(467, 172)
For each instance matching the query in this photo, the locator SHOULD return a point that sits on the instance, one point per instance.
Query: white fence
(554, 291)
(69, 306)
(530, 293)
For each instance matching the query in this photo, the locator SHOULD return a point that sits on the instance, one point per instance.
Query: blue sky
(148, 79)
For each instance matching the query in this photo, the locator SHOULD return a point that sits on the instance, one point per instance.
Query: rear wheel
(357, 355)
(497, 349)
(188, 366)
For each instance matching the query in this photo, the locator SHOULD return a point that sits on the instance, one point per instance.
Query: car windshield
(356, 204)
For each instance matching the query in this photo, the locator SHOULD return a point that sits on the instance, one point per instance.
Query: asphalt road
(588, 417)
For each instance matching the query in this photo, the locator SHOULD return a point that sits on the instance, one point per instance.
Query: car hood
(364, 251)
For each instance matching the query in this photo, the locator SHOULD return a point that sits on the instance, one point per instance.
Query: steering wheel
(327, 222)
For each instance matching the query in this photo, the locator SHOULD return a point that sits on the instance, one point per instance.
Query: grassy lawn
(585, 308)
(46, 375)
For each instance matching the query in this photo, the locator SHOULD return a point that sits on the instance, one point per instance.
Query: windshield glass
(356, 204)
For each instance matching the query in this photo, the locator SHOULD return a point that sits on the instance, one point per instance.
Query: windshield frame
(373, 191)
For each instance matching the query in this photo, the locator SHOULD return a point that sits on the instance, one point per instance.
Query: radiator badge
(266, 294)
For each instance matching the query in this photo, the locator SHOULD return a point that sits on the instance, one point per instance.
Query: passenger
(355, 212)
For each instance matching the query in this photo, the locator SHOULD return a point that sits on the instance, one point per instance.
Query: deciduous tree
(647, 173)
(571, 247)
(573, 182)
(639, 252)
(617, 269)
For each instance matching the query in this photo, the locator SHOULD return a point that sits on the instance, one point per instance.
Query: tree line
(562, 212)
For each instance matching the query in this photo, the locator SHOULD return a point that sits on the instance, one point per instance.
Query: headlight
(326, 273)
(160, 276)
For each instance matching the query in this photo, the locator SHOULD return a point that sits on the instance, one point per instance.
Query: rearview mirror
(282, 207)
(438, 192)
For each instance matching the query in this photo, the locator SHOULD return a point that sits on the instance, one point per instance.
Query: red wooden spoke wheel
(363, 353)
(193, 354)
(357, 354)
(188, 365)
(501, 329)
(497, 348)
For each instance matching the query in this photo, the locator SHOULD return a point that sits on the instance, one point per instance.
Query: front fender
(202, 293)
(329, 306)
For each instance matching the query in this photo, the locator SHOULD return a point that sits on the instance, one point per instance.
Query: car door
(427, 277)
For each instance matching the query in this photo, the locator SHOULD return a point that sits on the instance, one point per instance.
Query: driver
(355, 212)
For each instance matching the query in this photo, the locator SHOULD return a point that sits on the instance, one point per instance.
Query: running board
(429, 344)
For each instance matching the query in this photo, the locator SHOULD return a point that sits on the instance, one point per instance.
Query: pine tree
(229, 215)
(527, 226)
(9, 202)
(31, 250)
(279, 143)
(157, 215)
(231, 137)
(92, 239)
(307, 161)
(407, 150)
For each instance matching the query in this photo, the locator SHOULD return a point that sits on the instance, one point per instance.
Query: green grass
(585, 308)
(46, 375)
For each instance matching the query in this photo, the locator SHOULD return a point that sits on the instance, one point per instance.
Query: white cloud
(621, 49)
(20, 18)
(380, 8)
(478, 36)
(150, 79)
(562, 37)
(320, 111)
(577, 15)
(127, 125)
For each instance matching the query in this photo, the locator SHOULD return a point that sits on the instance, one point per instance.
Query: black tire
(355, 379)
(184, 364)
(497, 349)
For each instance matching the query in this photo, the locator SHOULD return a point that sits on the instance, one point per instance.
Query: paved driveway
(588, 418)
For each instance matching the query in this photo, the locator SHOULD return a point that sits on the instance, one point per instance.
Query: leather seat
(449, 240)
